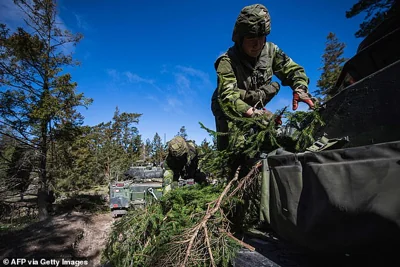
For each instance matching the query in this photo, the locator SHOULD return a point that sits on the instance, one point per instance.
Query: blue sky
(157, 57)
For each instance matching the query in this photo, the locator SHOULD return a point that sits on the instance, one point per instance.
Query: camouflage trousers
(224, 141)
(168, 181)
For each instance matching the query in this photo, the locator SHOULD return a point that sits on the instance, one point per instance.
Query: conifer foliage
(376, 12)
(195, 226)
(189, 227)
(333, 61)
(37, 99)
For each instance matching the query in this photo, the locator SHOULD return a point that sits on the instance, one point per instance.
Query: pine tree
(115, 141)
(158, 150)
(19, 170)
(78, 162)
(332, 65)
(14, 168)
(377, 11)
(137, 148)
(38, 100)
(148, 150)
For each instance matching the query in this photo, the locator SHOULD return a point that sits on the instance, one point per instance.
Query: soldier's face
(253, 46)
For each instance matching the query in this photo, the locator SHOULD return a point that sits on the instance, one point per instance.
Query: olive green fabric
(181, 162)
(253, 20)
(368, 110)
(244, 82)
(334, 201)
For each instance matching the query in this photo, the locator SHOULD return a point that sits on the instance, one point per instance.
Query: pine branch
(210, 212)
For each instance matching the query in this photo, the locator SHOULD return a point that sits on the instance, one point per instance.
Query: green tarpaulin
(338, 200)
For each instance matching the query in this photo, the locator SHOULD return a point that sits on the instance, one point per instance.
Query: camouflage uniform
(181, 162)
(245, 82)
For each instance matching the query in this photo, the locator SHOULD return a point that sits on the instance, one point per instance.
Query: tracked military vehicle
(144, 173)
(142, 184)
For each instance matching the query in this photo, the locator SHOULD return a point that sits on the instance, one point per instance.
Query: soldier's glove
(278, 120)
(300, 94)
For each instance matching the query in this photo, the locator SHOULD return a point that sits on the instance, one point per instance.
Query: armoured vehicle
(340, 206)
(144, 173)
(120, 197)
(142, 185)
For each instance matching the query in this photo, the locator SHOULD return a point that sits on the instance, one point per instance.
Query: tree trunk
(42, 204)
(42, 191)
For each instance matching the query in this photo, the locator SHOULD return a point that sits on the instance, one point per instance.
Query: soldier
(245, 72)
(181, 162)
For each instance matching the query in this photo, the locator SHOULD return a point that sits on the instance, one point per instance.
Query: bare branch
(18, 139)
(208, 246)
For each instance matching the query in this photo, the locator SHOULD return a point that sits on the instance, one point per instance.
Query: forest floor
(75, 235)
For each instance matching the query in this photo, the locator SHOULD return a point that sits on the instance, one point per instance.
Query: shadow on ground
(84, 203)
(76, 231)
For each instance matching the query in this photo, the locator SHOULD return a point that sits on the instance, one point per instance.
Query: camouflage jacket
(236, 75)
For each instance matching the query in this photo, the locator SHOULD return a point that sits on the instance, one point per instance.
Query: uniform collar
(250, 62)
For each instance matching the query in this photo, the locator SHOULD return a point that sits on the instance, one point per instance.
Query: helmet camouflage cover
(177, 147)
(253, 20)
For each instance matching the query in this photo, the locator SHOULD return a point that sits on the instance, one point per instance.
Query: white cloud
(127, 77)
(204, 77)
(81, 22)
(182, 84)
(187, 82)
(134, 78)
(11, 14)
(173, 103)
(168, 100)
(113, 74)
(67, 48)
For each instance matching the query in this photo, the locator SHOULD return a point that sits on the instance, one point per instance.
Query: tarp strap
(325, 143)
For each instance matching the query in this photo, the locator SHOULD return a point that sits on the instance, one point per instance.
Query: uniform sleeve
(228, 91)
(289, 72)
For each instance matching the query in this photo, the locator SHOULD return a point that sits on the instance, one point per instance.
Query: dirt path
(73, 236)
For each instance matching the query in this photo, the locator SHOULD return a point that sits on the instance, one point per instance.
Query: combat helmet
(177, 147)
(253, 20)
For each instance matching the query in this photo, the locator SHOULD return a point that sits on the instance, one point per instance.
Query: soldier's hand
(300, 94)
(262, 112)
